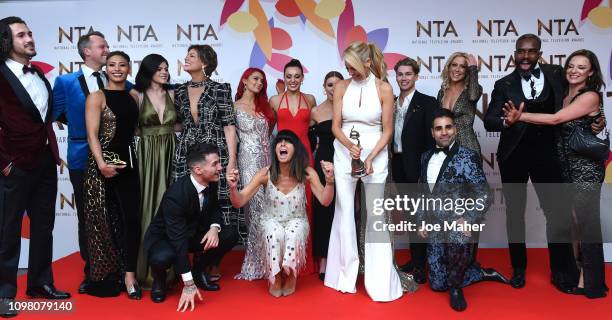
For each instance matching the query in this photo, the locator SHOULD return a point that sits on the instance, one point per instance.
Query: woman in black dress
(581, 106)
(112, 187)
(323, 140)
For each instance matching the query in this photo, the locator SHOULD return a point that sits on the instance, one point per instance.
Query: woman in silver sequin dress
(284, 222)
(254, 121)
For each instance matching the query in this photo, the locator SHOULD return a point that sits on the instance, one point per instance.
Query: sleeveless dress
(253, 154)
(112, 205)
(285, 229)
(322, 216)
(155, 151)
(299, 124)
(584, 177)
(362, 111)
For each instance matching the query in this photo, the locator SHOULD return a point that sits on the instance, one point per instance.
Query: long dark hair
(299, 162)
(594, 82)
(147, 69)
(261, 99)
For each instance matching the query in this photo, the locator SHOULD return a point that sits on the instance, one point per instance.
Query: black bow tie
(27, 69)
(527, 74)
(445, 150)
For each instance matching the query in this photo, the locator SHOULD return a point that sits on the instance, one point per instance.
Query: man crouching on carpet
(451, 172)
(189, 220)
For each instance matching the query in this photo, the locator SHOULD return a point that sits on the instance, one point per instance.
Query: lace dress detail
(253, 154)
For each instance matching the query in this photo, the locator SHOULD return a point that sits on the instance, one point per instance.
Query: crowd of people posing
(169, 178)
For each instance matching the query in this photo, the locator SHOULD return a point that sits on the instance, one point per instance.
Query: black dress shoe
(490, 274)
(419, 275)
(47, 291)
(202, 282)
(518, 279)
(5, 310)
(83, 286)
(158, 289)
(134, 292)
(322, 276)
(562, 282)
(457, 300)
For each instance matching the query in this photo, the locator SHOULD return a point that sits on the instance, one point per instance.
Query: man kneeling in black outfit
(189, 220)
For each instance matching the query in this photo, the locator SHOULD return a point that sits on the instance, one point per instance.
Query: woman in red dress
(292, 109)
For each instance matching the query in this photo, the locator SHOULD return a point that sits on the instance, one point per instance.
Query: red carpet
(244, 299)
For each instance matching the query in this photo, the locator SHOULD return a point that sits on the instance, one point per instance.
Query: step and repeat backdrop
(268, 33)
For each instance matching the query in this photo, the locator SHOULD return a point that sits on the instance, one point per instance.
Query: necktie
(445, 150)
(204, 199)
(99, 80)
(27, 69)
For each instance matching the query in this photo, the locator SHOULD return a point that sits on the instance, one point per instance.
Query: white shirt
(187, 276)
(434, 165)
(400, 115)
(538, 83)
(90, 79)
(33, 84)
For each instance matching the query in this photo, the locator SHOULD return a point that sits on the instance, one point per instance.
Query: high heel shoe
(134, 291)
(289, 285)
(275, 287)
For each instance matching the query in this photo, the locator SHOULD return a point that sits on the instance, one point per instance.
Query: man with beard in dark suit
(412, 136)
(28, 160)
(527, 152)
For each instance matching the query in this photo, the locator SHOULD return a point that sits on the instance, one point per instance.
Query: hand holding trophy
(357, 166)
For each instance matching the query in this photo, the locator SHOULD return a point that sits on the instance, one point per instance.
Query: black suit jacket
(180, 221)
(416, 133)
(509, 88)
(23, 132)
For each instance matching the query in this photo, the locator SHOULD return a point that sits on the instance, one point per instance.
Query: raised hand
(512, 114)
(472, 60)
(232, 177)
(328, 171)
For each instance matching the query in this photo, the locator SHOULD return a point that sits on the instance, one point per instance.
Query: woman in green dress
(156, 123)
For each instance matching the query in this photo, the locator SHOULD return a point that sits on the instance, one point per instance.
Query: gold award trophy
(357, 166)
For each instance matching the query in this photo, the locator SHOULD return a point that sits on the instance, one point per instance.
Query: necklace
(196, 84)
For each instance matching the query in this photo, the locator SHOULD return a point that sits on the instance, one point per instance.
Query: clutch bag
(584, 142)
(112, 158)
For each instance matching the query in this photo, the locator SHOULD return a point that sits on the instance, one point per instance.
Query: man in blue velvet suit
(70, 92)
(453, 174)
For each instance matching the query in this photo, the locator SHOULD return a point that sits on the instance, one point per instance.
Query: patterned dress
(253, 154)
(215, 111)
(285, 229)
(465, 111)
(584, 176)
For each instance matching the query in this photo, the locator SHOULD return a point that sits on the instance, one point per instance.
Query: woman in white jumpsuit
(363, 103)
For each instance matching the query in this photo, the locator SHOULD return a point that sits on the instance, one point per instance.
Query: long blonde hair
(445, 71)
(357, 53)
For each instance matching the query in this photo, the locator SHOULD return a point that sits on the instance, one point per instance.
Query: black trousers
(536, 160)
(162, 255)
(34, 192)
(76, 178)
(418, 248)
